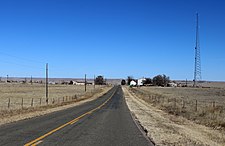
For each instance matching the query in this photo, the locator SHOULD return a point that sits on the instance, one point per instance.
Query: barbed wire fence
(195, 109)
(22, 103)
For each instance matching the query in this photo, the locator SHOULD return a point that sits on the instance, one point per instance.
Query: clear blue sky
(112, 38)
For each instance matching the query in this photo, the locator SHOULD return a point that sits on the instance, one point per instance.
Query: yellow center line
(74, 122)
(38, 140)
(37, 143)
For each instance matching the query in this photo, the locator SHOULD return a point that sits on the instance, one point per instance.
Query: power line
(21, 58)
(21, 65)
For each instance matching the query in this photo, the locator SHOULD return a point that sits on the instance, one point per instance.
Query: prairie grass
(17, 96)
(204, 106)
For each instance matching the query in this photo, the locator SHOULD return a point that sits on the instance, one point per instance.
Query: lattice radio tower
(197, 72)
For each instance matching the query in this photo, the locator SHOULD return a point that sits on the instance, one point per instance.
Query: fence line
(181, 104)
(22, 103)
(184, 103)
(18, 101)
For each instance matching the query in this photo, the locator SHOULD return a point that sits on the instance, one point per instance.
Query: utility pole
(197, 71)
(85, 83)
(31, 80)
(46, 83)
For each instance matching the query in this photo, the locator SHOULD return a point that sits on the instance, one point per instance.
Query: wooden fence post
(175, 102)
(196, 105)
(9, 103)
(75, 96)
(32, 100)
(183, 104)
(22, 103)
(214, 104)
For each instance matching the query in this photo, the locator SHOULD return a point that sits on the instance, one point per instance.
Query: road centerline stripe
(37, 143)
(74, 122)
(39, 139)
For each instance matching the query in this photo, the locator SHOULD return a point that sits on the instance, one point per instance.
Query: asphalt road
(105, 121)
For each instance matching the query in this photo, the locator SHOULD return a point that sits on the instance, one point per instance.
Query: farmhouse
(141, 81)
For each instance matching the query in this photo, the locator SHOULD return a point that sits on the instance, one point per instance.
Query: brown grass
(12, 115)
(36, 92)
(202, 105)
(170, 130)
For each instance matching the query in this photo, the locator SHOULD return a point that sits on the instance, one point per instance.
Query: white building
(133, 83)
(172, 84)
(81, 83)
(78, 83)
(141, 81)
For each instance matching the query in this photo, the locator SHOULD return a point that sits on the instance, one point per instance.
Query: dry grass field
(200, 94)
(166, 129)
(16, 112)
(17, 96)
(203, 105)
(211, 84)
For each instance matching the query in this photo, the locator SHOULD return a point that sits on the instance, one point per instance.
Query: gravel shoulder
(39, 111)
(165, 129)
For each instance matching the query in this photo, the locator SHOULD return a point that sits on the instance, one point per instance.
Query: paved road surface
(102, 122)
